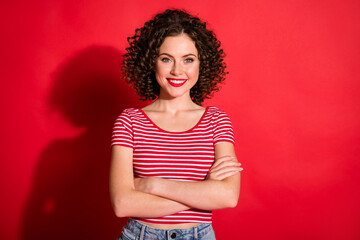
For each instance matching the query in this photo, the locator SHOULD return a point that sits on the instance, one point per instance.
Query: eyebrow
(186, 55)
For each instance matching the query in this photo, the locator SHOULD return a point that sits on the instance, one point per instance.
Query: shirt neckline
(163, 130)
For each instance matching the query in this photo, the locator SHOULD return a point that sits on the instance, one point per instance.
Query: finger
(227, 174)
(223, 167)
(222, 175)
(226, 169)
(224, 159)
(224, 164)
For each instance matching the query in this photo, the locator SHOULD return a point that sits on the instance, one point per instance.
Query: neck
(173, 105)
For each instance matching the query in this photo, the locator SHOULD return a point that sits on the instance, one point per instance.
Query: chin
(176, 94)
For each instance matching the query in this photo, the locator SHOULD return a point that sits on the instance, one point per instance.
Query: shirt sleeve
(223, 130)
(122, 133)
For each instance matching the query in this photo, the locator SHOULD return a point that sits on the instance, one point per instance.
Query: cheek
(194, 72)
(161, 70)
(160, 75)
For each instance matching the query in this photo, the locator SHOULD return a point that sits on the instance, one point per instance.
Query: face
(177, 66)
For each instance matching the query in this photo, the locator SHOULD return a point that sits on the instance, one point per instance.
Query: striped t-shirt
(181, 156)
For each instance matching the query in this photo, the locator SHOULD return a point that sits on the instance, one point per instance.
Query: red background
(292, 94)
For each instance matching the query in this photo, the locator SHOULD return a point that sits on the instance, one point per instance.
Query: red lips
(176, 82)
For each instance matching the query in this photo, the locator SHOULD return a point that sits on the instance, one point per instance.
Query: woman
(173, 161)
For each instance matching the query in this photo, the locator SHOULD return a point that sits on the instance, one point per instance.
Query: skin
(174, 111)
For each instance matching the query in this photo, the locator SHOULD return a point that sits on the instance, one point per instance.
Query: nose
(176, 68)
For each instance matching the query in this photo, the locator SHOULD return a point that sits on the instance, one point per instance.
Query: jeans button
(173, 235)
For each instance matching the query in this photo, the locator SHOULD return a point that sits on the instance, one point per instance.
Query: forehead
(178, 45)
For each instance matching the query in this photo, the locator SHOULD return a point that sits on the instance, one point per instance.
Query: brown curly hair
(144, 47)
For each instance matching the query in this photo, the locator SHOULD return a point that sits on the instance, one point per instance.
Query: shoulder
(129, 114)
(131, 111)
(214, 109)
(222, 126)
(216, 113)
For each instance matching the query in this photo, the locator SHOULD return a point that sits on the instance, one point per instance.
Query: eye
(165, 59)
(189, 60)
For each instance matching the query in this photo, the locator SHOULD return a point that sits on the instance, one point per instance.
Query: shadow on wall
(70, 196)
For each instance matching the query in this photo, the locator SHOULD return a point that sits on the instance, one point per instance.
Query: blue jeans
(134, 230)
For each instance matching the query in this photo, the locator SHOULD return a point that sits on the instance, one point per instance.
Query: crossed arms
(156, 197)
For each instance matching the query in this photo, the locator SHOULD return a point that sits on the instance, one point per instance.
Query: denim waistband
(137, 230)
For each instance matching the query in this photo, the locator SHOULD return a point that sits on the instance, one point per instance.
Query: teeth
(177, 81)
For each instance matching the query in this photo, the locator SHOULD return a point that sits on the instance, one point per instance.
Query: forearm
(205, 195)
(128, 202)
(133, 203)
(220, 190)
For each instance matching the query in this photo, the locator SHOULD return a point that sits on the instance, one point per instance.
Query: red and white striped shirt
(181, 156)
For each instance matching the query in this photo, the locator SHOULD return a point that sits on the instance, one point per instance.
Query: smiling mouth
(175, 82)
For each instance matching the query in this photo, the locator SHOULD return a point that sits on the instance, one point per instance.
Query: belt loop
(195, 232)
(167, 234)
(142, 232)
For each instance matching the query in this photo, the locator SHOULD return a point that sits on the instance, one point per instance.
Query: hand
(144, 184)
(224, 167)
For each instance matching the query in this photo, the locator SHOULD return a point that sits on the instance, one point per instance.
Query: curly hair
(144, 47)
